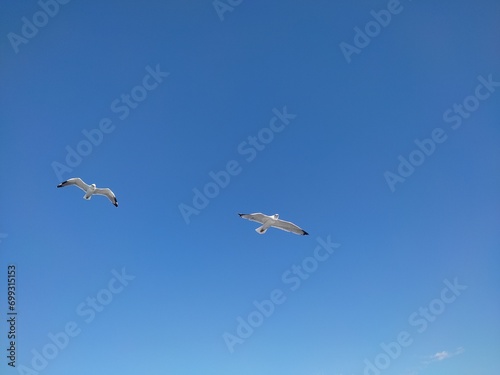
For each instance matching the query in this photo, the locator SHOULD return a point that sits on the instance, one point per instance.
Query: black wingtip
(305, 233)
(241, 215)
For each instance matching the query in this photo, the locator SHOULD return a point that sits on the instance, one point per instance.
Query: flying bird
(90, 189)
(273, 221)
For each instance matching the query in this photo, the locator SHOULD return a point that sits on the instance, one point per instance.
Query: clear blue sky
(352, 112)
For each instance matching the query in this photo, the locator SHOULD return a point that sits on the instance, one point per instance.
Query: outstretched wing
(257, 217)
(75, 181)
(108, 193)
(289, 227)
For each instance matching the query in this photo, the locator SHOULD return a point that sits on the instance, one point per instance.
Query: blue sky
(180, 91)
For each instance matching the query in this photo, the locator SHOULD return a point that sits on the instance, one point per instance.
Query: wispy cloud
(439, 356)
(436, 357)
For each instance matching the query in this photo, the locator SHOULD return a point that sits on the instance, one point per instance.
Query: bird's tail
(261, 229)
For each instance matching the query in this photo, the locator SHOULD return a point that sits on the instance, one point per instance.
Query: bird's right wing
(107, 193)
(75, 181)
(290, 227)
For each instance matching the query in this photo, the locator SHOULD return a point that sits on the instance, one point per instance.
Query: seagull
(273, 221)
(90, 189)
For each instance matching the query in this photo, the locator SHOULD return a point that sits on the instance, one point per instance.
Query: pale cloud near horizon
(436, 357)
(439, 356)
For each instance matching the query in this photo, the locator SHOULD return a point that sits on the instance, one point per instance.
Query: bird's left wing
(75, 181)
(290, 227)
(108, 193)
(257, 217)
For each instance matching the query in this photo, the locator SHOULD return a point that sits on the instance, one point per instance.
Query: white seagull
(90, 189)
(273, 221)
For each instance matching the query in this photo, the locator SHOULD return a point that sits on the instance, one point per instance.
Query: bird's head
(93, 185)
(276, 216)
